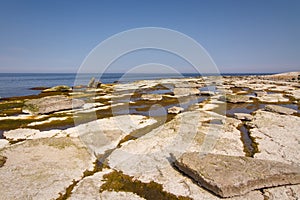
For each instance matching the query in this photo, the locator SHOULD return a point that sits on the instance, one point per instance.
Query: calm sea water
(19, 84)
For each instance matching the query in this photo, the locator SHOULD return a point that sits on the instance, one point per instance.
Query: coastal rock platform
(133, 140)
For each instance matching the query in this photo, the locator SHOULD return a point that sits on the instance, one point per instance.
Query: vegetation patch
(59, 143)
(117, 181)
(2, 160)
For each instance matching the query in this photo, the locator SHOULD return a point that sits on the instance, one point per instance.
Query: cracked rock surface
(242, 174)
(42, 168)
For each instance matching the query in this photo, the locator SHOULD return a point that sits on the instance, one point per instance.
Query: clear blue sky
(240, 35)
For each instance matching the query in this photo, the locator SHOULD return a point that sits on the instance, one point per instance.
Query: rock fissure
(117, 181)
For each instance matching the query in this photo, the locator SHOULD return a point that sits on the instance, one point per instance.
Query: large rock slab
(272, 98)
(237, 98)
(59, 88)
(242, 174)
(20, 134)
(105, 134)
(51, 104)
(280, 109)
(147, 157)
(43, 168)
(186, 91)
(276, 136)
(152, 97)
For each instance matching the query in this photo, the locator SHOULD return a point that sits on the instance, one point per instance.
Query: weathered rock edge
(228, 176)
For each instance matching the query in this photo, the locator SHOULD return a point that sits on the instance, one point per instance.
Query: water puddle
(211, 88)
(250, 147)
(242, 108)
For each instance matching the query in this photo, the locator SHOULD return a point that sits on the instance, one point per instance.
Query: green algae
(10, 108)
(59, 143)
(68, 192)
(2, 160)
(117, 181)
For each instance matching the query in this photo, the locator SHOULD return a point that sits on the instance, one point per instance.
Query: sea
(21, 84)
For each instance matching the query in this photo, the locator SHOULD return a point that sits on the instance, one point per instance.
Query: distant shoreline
(20, 84)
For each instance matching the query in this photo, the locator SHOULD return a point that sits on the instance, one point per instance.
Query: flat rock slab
(229, 176)
(152, 97)
(42, 168)
(277, 136)
(280, 109)
(51, 104)
(237, 98)
(186, 91)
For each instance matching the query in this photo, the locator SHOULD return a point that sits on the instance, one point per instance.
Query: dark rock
(260, 93)
(229, 176)
(94, 84)
(39, 88)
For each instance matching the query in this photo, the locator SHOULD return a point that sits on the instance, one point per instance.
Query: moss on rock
(117, 181)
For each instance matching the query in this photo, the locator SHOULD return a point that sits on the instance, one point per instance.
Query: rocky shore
(233, 137)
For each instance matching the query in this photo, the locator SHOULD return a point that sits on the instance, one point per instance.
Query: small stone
(280, 109)
(243, 174)
(175, 110)
(260, 93)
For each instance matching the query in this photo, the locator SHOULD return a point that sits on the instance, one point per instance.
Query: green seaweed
(2, 160)
(117, 181)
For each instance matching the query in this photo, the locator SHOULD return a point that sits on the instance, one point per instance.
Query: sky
(241, 36)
